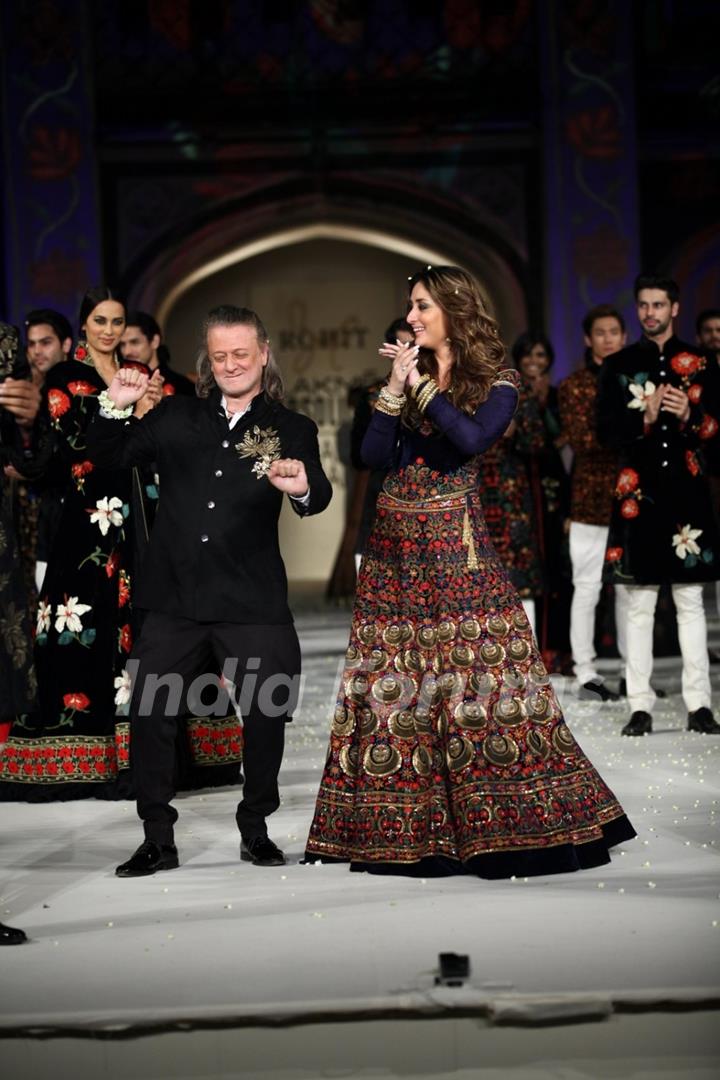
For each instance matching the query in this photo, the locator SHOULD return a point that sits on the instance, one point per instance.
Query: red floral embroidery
(695, 393)
(82, 469)
(686, 363)
(125, 638)
(81, 353)
(627, 481)
(82, 388)
(614, 554)
(168, 390)
(692, 463)
(76, 701)
(112, 564)
(629, 508)
(708, 427)
(58, 403)
(123, 589)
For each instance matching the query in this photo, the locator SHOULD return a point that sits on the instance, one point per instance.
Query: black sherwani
(213, 582)
(662, 527)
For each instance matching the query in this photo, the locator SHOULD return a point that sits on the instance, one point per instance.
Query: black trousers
(171, 658)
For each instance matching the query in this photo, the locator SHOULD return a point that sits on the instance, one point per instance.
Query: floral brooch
(260, 443)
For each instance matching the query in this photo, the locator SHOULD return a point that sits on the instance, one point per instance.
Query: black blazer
(214, 553)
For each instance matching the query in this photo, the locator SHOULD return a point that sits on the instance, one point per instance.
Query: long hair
(94, 296)
(230, 315)
(474, 337)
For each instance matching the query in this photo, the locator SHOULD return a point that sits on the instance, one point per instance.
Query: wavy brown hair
(474, 337)
(230, 315)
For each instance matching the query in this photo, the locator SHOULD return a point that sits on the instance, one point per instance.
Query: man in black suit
(212, 583)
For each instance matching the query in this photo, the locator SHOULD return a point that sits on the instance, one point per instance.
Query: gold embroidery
(263, 444)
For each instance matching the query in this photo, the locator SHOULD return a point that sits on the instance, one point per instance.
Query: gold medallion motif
(446, 631)
(471, 714)
(350, 761)
(470, 629)
(449, 684)
(427, 637)
(538, 673)
(357, 687)
(538, 706)
(514, 679)
(460, 752)
(492, 653)
(483, 685)
(441, 726)
(500, 750)
(343, 722)
(368, 722)
(381, 760)
(520, 620)
(377, 660)
(414, 660)
(538, 744)
(518, 649)
(353, 656)
(421, 718)
(368, 633)
(421, 761)
(263, 444)
(387, 689)
(402, 724)
(462, 655)
(562, 740)
(497, 626)
(509, 711)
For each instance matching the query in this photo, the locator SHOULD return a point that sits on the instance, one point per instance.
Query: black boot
(10, 936)
(597, 691)
(148, 859)
(640, 723)
(702, 720)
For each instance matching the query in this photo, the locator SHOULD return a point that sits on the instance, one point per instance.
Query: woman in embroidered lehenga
(449, 752)
(75, 744)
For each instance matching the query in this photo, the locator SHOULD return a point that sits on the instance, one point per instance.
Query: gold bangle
(387, 409)
(415, 390)
(391, 399)
(426, 395)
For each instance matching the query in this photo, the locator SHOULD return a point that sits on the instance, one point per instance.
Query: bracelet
(110, 410)
(415, 390)
(426, 395)
(389, 403)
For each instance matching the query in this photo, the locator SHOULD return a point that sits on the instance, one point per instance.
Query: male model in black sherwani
(213, 582)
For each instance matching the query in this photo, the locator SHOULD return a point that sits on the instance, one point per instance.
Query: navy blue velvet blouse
(454, 438)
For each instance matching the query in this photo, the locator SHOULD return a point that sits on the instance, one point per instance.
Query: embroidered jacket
(594, 466)
(662, 526)
(214, 554)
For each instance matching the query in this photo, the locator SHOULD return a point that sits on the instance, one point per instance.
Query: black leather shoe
(11, 936)
(597, 691)
(148, 859)
(622, 690)
(261, 851)
(702, 720)
(640, 723)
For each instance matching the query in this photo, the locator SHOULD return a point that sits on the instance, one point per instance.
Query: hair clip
(429, 266)
(457, 291)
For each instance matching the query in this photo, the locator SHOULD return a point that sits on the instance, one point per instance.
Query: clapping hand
(404, 358)
(152, 395)
(22, 398)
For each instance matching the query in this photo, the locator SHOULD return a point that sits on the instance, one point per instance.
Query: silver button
(663, 427)
(664, 448)
(224, 444)
(204, 538)
(664, 464)
(218, 472)
(662, 372)
(211, 505)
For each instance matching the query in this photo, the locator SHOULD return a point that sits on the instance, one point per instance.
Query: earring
(82, 353)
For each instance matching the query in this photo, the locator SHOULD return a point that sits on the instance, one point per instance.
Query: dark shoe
(640, 723)
(10, 936)
(702, 720)
(622, 691)
(597, 691)
(148, 859)
(261, 851)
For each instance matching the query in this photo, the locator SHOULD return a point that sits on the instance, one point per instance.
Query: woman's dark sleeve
(379, 446)
(475, 434)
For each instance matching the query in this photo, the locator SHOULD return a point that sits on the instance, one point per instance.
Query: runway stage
(222, 969)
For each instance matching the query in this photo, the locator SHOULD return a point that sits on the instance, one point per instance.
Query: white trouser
(587, 554)
(692, 635)
(529, 608)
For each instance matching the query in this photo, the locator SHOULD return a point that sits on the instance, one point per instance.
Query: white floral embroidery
(684, 541)
(44, 614)
(107, 513)
(68, 615)
(123, 686)
(640, 394)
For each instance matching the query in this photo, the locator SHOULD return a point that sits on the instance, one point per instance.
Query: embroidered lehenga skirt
(449, 752)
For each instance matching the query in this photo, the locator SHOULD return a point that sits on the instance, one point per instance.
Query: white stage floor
(218, 942)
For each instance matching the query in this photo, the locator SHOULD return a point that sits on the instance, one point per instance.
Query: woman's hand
(404, 360)
(127, 387)
(152, 395)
